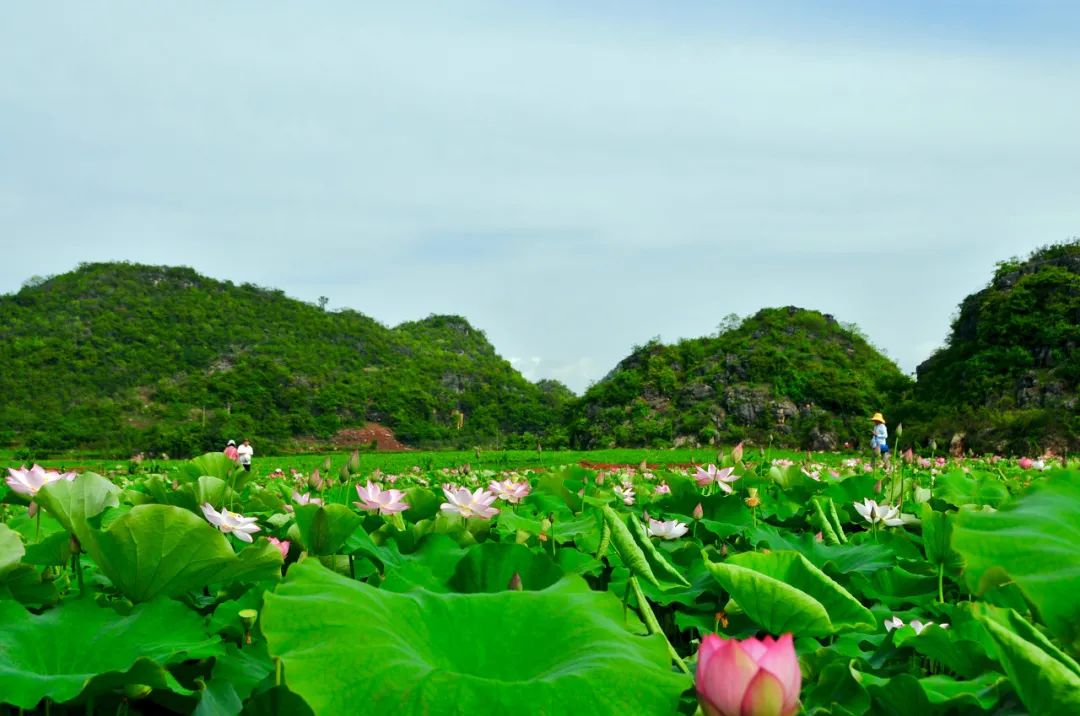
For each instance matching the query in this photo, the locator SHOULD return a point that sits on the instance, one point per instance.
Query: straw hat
(877, 418)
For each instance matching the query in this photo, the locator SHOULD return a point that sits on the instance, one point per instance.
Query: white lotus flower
(672, 529)
(237, 524)
(874, 513)
(469, 504)
(28, 482)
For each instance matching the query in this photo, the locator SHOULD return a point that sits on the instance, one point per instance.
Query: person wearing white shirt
(244, 453)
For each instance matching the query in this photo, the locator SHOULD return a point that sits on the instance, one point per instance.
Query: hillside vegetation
(787, 375)
(124, 358)
(1008, 375)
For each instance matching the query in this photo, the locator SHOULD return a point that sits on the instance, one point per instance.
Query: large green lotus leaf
(52, 550)
(215, 464)
(236, 674)
(189, 495)
(835, 684)
(984, 691)
(11, 549)
(24, 584)
(1047, 680)
(490, 566)
(1033, 543)
(784, 592)
(842, 558)
(937, 538)
(75, 502)
(325, 529)
(564, 650)
(430, 567)
(58, 653)
(165, 550)
(960, 488)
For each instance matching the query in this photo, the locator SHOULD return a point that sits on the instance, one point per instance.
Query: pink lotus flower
(237, 524)
(375, 499)
(662, 489)
(469, 504)
(512, 492)
(749, 677)
(282, 545)
(28, 482)
(672, 529)
(1025, 463)
(721, 477)
(306, 499)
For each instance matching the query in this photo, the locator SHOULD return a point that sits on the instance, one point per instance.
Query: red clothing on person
(231, 452)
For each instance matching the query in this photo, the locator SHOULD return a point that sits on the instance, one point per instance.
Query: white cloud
(572, 180)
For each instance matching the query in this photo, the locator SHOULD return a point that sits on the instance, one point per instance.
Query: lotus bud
(247, 618)
(515, 583)
(643, 466)
(736, 678)
(344, 475)
(315, 481)
(736, 453)
(134, 692)
(899, 429)
(719, 457)
(933, 444)
(698, 512)
(326, 464)
(353, 465)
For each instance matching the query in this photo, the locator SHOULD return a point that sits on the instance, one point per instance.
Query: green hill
(122, 357)
(791, 374)
(1008, 375)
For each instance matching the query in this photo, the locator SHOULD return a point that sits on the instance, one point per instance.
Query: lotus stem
(653, 626)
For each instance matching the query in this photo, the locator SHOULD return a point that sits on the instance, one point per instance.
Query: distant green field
(402, 461)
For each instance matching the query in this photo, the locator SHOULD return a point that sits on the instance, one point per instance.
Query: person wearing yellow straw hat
(879, 443)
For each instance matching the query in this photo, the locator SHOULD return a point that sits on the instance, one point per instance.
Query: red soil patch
(358, 437)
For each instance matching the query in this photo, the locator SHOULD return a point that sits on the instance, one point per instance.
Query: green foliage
(124, 358)
(1032, 543)
(783, 591)
(82, 646)
(1009, 374)
(791, 375)
(345, 643)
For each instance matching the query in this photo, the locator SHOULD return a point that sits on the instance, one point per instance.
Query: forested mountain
(124, 357)
(1008, 376)
(793, 375)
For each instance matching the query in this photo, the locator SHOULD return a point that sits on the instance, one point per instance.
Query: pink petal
(782, 663)
(726, 676)
(764, 696)
(756, 649)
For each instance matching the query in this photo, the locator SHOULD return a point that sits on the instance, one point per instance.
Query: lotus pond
(823, 585)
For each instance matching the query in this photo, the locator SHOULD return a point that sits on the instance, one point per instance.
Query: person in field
(231, 451)
(244, 453)
(879, 442)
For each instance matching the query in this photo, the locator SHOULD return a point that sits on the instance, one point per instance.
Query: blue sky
(573, 177)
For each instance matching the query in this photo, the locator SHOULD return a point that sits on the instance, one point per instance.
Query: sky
(575, 178)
